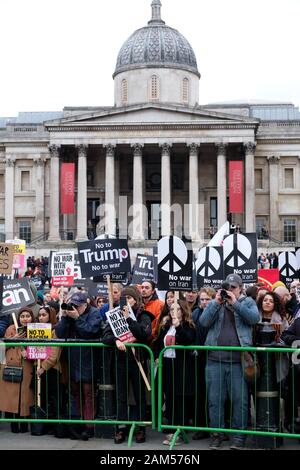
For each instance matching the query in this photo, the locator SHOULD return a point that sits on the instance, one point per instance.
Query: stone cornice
(262, 141)
(150, 126)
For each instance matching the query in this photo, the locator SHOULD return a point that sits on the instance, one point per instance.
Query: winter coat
(13, 393)
(81, 360)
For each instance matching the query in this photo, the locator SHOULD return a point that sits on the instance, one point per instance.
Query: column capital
(54, 150)
(110, 150)
(194, 147)
(10, 161)
(165, 148)
(137, 149)
(82, 150)
(39, 161)
(249, 147)
(221, 148)
(273, 159)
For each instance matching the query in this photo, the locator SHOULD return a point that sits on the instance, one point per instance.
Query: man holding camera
(81, 321)
(229, 318)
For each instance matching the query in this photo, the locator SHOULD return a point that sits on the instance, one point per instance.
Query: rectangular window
(25, 230)
(2, 182)
(289, 178)
(289, 230)
(258, 179)
(213, 212)
(2, 231)
(25, 181)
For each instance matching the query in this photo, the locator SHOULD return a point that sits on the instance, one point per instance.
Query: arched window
(185, 90)
(154, 89)
(124, 91)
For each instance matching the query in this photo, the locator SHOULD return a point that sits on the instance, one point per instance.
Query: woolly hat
(133, 292)
(278, 284)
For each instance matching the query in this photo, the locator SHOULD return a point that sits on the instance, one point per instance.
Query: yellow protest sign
(39, 331)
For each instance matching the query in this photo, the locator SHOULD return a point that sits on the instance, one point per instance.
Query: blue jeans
(226, 380)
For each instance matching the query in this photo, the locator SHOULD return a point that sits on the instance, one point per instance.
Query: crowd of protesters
(197, 385)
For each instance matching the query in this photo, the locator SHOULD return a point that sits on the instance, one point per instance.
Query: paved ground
(10, 441)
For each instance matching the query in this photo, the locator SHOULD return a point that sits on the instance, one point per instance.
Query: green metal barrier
(180, 428)
(60, 415)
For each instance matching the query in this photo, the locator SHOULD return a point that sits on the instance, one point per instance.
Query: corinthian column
(194, 212)
(39, 163)
(138, 223)
(82, 193)
(9, 196)
(166, 190)
(221, 184)
(54, 235)
(110, 191)
(250, 187)
(273, 184)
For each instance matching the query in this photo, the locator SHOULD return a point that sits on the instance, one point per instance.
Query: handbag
(250, 367)
(13, 374)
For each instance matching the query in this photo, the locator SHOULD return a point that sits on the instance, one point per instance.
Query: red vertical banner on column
(67, 188)
(236, 187)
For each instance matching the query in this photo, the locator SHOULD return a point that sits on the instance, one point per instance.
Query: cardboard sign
(210, 267)
(103, 256)
(6, 258)
(16, 294)
(120, 326)
(288, 267)
(175, 265)
(34, 353)
(143, 269)
(240, 256)
(38, 331)
(62, 268)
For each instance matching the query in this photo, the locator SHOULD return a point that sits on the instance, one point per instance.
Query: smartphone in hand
(123, 302)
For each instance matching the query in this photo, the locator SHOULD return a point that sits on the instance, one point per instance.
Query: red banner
(236, 187)
(268, 277)
(67, 188)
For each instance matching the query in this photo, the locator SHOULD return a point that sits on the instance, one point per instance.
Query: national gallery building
(154, 163)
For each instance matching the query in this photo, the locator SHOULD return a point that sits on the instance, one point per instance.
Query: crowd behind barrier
(187, 368)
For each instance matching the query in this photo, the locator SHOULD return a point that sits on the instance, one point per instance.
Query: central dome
(156, 45)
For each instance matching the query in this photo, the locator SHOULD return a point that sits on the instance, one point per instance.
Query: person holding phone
(126, 370)
(16, 398)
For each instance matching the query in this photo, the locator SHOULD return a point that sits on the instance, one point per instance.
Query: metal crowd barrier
(265, 416)
(105, 387)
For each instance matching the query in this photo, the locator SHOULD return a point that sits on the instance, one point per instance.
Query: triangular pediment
(147, 113)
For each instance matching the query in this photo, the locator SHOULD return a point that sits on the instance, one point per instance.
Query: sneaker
(215, 441)
(238, 445)
(168, 441)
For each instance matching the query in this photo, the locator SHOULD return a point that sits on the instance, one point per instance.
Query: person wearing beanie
(277, 284)
(127, 370)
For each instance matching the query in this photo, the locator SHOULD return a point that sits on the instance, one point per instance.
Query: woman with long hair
(178, 330)
(16, 398)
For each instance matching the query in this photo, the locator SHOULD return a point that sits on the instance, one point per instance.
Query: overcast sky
(57, 53)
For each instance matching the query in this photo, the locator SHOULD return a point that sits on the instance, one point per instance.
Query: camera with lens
(224, 287)
(65, 306)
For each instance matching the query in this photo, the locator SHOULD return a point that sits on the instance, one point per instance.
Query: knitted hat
(278, 284)
(133, 292)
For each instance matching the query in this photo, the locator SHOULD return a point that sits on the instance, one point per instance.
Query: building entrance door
(92, 218)
(154, 220)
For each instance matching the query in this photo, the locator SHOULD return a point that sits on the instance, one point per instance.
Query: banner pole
(110, 294)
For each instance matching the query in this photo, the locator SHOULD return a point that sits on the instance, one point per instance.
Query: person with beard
(151, 301)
